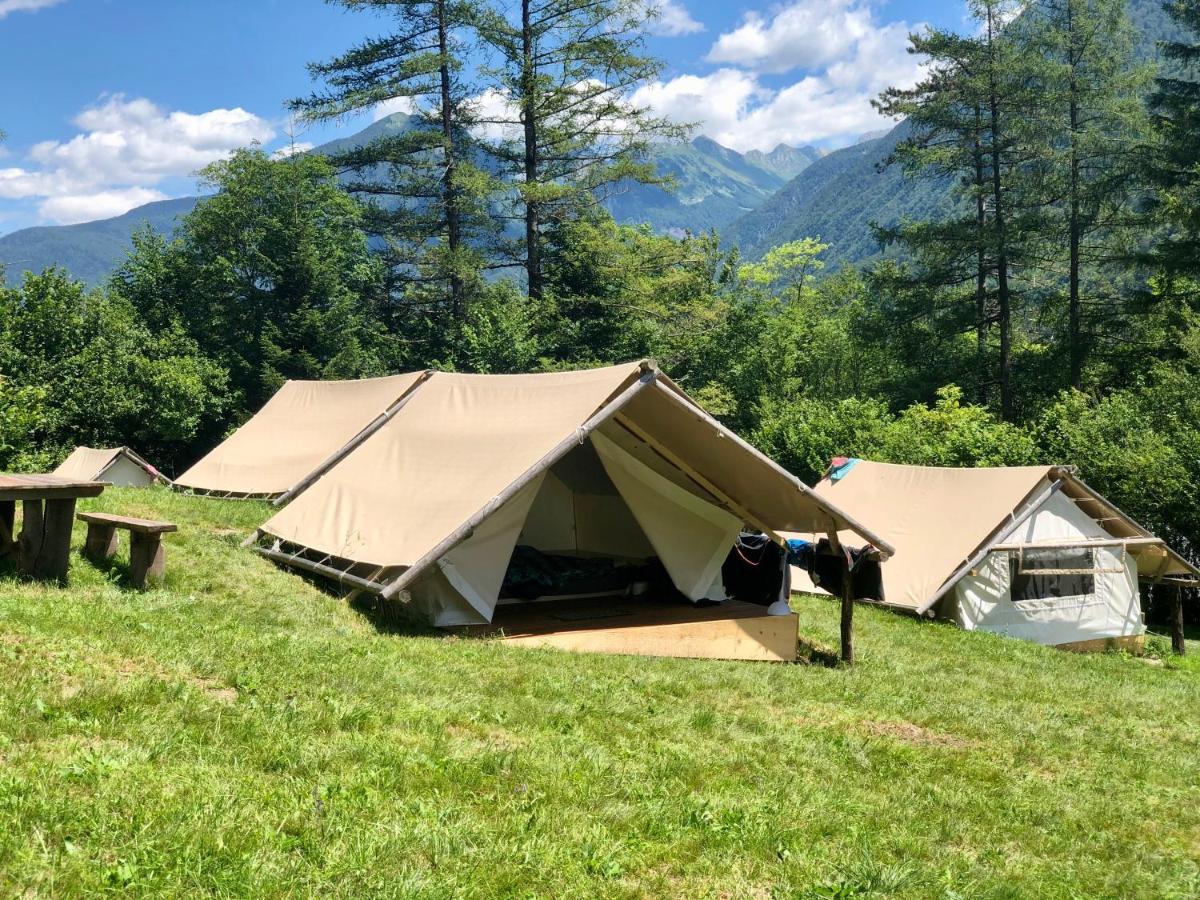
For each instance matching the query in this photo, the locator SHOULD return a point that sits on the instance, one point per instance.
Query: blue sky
(109, 104)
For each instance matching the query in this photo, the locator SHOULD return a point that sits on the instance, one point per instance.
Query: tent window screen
(1053, 572)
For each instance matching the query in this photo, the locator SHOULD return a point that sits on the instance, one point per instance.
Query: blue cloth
(844, 469)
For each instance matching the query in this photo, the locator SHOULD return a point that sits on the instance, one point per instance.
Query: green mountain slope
(713, 185)
(839, 196)
(91, 250)
(836, 199)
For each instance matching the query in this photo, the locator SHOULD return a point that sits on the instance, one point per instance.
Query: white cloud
(293, 149)
(71, 208)
(845, 59)
(124, 150)
(807, 34)
(12, 6)
(395, 105)
(673, 19)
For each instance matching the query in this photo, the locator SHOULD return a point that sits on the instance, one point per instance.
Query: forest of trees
(1051, 317)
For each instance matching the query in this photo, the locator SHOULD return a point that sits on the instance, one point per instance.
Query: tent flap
(691, 537)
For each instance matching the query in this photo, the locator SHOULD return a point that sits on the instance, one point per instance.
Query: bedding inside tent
(610, 518)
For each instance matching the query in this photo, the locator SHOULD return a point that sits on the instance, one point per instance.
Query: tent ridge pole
(346, 449)
(606, 412)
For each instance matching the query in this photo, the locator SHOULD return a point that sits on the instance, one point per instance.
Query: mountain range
(710, 186)
(755, 200)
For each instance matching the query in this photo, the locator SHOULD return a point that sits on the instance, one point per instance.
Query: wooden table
(43, 548)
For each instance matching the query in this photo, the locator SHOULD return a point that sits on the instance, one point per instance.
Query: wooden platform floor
(646, 627)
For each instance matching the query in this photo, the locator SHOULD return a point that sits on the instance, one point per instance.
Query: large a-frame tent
(1031, 551)
(614, 463)
(303, 428)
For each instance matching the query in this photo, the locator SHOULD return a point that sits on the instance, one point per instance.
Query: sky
(109, 104)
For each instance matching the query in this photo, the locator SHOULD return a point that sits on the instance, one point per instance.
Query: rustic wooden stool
(147, 557)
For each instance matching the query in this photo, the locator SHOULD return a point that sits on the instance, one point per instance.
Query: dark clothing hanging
(754, 570)
(825, 568)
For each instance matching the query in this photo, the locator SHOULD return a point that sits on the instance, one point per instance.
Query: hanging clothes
(826, 568)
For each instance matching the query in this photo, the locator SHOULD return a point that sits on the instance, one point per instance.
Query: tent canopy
(89, 463)
(297, 430)
(939, 518)
(466, 448)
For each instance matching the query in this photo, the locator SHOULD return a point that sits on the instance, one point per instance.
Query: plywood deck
(645, 627)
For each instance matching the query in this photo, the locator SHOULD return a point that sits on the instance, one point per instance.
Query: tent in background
(295, 434)
(615, 466)
(1031, 552)
(119, 466)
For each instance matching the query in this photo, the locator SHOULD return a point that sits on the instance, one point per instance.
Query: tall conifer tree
(1083, 170)
(563, 126)
(427, 198)
(966, 124)
(1175, 105)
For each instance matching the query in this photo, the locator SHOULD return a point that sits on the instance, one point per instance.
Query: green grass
(241, 732)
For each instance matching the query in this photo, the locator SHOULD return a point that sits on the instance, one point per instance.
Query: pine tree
(564, 129)
(1175, 106)
(427, 199)
(966, 125)
(1084, 170)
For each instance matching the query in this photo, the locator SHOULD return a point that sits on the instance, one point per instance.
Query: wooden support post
(29, 543)
(55, 557)
(847, 629)
(846, 637)
(147, 559)
(102, 543)
(1178, 644)
(45, 543)
(8, 519)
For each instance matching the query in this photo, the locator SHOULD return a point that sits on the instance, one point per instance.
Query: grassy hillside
(241, 732)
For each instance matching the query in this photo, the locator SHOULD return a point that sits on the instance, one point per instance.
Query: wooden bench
(147, 557)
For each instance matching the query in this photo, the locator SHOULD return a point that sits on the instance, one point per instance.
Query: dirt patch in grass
(911, 733)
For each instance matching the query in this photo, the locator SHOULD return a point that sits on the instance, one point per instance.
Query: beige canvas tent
(1031, 552)
(300, 430)
(613, 464)
(119, 466)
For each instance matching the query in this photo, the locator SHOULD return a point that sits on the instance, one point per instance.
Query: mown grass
(241, 732)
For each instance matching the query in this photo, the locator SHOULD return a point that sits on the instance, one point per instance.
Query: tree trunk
(1004, 312)
(450, 197)
(1074, 327)
(980, 263)
(533, 239)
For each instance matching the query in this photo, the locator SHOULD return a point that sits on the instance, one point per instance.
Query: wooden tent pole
(1178, 644)
(846, 626)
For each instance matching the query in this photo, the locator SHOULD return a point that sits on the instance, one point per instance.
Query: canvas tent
(301, 429)
(616, 463)
(119, 466)
(1031, 552)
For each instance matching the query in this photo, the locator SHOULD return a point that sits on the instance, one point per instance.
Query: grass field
(241, 732)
